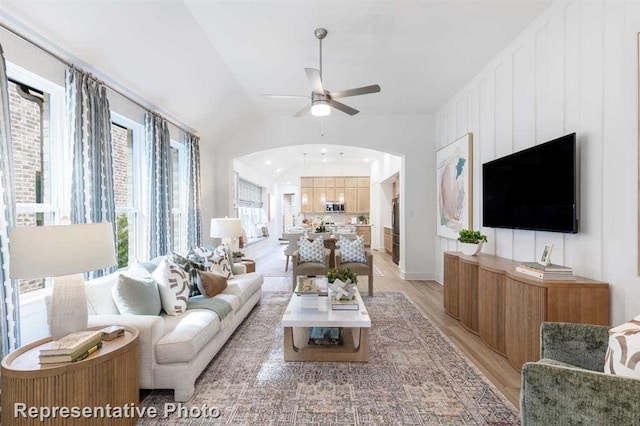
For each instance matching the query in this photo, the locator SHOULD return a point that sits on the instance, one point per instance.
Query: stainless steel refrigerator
(395, 220)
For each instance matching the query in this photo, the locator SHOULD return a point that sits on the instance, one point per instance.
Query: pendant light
(323, 197)
(341, 196)
(305, 198)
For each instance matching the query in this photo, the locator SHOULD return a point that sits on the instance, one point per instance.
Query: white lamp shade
(225, 228)
(53, 251)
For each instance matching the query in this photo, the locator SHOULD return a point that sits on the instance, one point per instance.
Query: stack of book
(71, 348)
(548, 272)
(344, 304)
(325, 336)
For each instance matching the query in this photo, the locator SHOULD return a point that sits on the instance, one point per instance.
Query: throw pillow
(623, 354)
(211, 283)
(220, 262)
(190, 265)
(173, 283)
(136, 292)
(311, 251)
(353, 251)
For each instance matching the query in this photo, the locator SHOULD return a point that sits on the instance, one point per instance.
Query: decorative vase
(471, 249)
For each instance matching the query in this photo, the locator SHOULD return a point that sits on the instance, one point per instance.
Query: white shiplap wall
(573, 70)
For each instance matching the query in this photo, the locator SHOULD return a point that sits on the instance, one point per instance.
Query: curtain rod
(68, 63)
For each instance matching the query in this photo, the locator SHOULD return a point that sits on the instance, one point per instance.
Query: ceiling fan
(322, 100)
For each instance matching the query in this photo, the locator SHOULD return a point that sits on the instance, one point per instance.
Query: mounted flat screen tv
(536, 188)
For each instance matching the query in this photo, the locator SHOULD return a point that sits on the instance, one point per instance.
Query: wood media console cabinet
(505, 308)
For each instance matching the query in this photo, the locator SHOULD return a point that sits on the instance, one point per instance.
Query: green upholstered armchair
(568, 387)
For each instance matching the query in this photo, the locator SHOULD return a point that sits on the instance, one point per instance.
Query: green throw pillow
(137, 296)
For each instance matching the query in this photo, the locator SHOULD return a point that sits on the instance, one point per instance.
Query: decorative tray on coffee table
(312, 286)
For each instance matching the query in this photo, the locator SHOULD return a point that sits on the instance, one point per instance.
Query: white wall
(410, 137)
(573, 70)
(382, 175)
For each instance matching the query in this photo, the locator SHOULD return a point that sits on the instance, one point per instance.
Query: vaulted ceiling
(206, 63)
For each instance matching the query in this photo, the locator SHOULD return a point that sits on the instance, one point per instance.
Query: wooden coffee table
(304, 312)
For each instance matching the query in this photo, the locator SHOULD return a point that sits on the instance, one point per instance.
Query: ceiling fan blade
(303, 111)
(314, 77)
(355, 92)
(286, 96)
(342, 107)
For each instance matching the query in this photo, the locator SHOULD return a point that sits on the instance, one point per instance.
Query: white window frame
(138, 153)
(59, 175)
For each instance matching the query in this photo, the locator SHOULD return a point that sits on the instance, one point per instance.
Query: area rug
(274, 267)
(415, 377)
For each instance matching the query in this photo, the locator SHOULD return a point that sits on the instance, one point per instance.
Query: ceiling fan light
(320, 109)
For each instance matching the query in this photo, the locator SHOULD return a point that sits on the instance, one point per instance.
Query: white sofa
(174, 350)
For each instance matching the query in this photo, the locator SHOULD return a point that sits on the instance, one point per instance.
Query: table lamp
(64, 252)
(227, 229)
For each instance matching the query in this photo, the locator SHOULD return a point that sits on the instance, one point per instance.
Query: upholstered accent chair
(293, 239)
(309, 268)
(567, 386)
(357, 267)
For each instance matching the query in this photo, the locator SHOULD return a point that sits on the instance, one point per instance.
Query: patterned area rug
(415, 377)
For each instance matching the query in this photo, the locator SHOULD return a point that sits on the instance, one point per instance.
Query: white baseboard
(417, 275)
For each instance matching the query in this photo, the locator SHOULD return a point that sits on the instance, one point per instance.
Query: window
(126, 140)
(35, 107)
(250, 209)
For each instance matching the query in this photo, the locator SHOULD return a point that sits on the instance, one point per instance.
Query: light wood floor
(427, 295)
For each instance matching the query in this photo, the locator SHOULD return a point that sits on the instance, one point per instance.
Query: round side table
(107, 378)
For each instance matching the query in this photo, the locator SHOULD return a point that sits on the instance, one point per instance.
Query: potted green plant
(362, 219)
(237, 256)
(321, 229)
(471, 241)
(343, 274)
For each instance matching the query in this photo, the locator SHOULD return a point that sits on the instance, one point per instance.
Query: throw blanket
(215, 304)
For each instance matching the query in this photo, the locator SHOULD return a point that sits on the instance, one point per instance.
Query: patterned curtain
(9, 306)
(158, 147)
(93, 195)
(194, 219)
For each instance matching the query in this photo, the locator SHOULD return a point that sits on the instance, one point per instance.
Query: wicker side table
(108, 377)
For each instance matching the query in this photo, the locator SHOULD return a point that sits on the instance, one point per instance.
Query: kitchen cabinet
(363, 182)
(351, 200)
(363, 200)
(354, 189)
(365, 232)
(388, 240)
(308, 192)
(318, 202)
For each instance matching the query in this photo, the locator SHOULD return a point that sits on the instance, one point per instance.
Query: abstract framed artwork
(454, 168)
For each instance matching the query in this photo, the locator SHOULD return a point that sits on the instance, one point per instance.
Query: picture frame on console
(454, 181)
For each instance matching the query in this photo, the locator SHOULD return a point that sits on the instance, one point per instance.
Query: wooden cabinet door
(318, 202)
(526, 310)
(318, 182)
(365, 232)
(450, 290)
(363, 182)
(339, 182)
(351, 200)
(468, 296)
(363, 200)
(308, 193)
(329, 182)
(351, 182)
(492, 309)
(306, 182)
(330, 193)
(340, 191)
